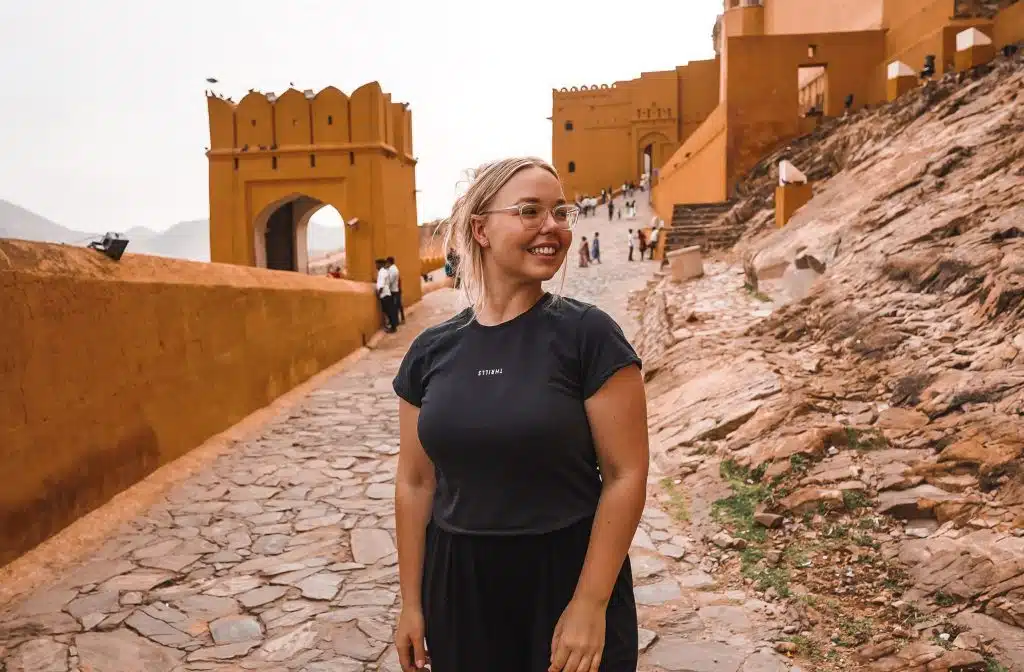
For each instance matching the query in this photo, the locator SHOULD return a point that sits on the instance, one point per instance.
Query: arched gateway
(274, 161)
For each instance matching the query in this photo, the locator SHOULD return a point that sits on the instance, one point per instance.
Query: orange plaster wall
(110, 370)
(782, 17)
(918, 28)
(763, 107)
(696, 172)
(1009, 26)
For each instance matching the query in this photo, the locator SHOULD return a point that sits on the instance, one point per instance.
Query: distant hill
(17, 222)
(185, 240)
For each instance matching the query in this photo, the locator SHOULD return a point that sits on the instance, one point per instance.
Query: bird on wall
(211, 80)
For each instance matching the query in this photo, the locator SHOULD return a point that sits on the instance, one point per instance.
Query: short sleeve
(408, 382)
(603, 350)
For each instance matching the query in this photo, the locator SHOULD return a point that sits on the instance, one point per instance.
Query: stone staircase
(701, 224)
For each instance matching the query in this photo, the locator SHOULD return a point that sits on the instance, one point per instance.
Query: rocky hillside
(846, 404)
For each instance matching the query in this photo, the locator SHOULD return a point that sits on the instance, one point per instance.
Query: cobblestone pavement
(280, 554)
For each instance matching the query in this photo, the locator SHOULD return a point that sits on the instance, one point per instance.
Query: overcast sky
(103, 121)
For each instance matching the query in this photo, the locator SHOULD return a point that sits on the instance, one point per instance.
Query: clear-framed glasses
(533, 215)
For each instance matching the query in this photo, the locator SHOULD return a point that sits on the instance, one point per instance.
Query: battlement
(576, 91)
(299, 120)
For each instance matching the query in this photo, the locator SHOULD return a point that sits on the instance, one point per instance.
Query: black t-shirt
(502, 415)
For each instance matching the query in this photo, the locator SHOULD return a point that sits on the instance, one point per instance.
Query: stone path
(280, 554)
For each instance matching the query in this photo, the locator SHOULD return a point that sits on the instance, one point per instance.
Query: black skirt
(492, 602)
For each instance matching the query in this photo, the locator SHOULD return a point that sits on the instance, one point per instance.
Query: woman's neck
(504, 301)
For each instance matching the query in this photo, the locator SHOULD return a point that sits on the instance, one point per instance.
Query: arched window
(568, 125)
(572, 166)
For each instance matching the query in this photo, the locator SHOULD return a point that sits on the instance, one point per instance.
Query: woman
(584, 253)
(523, 460)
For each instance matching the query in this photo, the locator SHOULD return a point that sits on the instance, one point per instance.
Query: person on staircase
(523, 456)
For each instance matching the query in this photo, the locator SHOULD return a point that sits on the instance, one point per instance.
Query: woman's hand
(410, 640)
(579, 637)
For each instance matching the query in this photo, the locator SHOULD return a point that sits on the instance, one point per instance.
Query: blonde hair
(484, 184)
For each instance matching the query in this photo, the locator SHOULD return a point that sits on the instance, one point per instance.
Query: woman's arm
(618, 421)
(414, 493)
(617, 413)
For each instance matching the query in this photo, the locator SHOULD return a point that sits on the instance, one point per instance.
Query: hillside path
(280, 554)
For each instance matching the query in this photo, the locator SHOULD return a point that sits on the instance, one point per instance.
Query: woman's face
(521, 249)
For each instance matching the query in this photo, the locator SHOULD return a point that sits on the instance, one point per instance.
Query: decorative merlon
(972, 37)
(899, 69)
(790, 174)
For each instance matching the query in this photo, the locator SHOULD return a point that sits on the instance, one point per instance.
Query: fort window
(236, 164)
(572, 166)
(568, 125)
(312, 160)
(253, 122)
(330, 120)
(273, 162)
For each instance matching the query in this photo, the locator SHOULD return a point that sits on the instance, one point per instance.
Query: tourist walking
(384, 296)
(595, 249)
(641, 242)
(584, 253)
(653, 246)
(611, 209)
(395, 284)
(523, 460)
(632, 243)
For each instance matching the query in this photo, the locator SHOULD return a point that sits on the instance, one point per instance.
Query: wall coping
(49, 259)
(682, 250)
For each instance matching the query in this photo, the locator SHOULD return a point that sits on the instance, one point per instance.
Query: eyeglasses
(533, 215)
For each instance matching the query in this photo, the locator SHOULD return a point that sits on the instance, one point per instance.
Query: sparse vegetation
(993, 665)
(855, 499)
(865, 439)
(737, 510)
(756, 293)
(806, 647)
(944, 600)
(854, 632)
(676, 505)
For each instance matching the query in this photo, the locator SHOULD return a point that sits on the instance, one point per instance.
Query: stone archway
(650, 152)
(280, 240)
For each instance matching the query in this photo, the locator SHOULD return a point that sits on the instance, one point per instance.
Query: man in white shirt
(395, 284)
(655, 230)
(386, 300)
(632, 243)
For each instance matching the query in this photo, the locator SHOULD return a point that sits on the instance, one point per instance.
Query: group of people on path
(590, 253)
(389, 293)
(637, 239)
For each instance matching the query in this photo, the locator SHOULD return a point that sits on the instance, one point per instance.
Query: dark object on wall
(929, 66)
(112, 245)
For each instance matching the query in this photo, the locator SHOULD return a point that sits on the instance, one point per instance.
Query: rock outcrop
(861, 375)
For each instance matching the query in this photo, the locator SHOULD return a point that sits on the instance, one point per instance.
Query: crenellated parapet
(574, 91)
(303, 121)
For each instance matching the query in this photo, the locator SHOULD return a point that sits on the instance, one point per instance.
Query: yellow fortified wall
(304, 151)
(601, 133)
(110, 370)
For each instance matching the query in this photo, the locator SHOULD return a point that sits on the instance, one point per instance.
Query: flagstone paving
(280, 554)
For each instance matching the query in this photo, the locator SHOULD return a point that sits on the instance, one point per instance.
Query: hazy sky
(103, 121)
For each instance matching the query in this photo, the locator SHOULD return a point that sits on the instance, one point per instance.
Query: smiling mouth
(543, 250)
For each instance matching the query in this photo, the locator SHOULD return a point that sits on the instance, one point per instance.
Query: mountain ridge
(189, 240)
